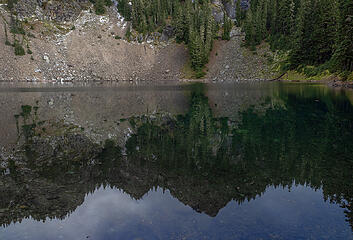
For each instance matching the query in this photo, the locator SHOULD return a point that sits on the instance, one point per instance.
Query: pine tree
(343, 55)
(325, 30)
(180, 25)
(286, 16)
(196, 51)
(298, 54)
(273, 16)
(238, 12)
(192, 20)
(249, 29)
(227, 27)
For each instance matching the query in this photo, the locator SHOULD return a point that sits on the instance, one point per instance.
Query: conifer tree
(315, 32)
(192, 21)
(238, 12)
(196, 51)
(343, 55)
(227, 27)
(249, 28)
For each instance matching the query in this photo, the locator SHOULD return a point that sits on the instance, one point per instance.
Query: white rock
(46, 58)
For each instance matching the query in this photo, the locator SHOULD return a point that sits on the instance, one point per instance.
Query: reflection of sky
(111, 214)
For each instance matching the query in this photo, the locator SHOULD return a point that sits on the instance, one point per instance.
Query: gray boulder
(168, 32)
(230, 8)
(217, 11)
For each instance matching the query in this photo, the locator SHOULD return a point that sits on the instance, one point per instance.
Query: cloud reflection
(112, 214)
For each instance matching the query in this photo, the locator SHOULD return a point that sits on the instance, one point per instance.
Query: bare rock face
(230, 8)
(55, 10)
(217, 11)
(26, 8)
(168, 32)
(221, 7)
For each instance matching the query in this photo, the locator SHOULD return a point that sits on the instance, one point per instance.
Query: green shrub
(128, 34)
(99, 7)
(350, 77)
(345, 75)
(117, 37)
(16, 27)
(108, 3)
(200, 74)
(19, 50)
(31, 35)
(11, 3)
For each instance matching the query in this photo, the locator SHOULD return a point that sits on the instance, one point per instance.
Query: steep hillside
(65, 42)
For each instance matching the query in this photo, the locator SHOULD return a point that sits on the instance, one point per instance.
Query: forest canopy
(314, 32)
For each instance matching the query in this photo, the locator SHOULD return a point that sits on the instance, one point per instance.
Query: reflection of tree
(305, 139)
(205, 162)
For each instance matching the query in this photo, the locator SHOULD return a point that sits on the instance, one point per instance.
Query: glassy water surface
(233, 161)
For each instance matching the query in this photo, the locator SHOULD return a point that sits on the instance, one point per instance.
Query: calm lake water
(235, 161)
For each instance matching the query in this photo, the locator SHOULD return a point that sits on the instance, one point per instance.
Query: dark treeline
(298, 139)
(314, 32)
(302, 138)
(192, 20)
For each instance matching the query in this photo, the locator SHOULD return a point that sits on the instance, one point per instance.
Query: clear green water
(267, 161)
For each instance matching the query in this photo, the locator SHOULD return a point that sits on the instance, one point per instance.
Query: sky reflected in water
(298, 213)
(206, 162)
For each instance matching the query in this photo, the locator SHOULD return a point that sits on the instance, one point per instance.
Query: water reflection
(229, 172)
(111, 214)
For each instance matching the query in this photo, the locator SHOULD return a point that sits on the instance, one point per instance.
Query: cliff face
(64, 11)
(57, 10)
(221, 7)
(230, 6)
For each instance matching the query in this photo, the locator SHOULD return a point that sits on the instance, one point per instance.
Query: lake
(249, 160)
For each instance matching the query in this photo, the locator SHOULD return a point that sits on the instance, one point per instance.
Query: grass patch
(294, 76)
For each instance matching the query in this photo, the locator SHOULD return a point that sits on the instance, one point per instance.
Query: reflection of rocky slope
(204, 161)
(98, 110)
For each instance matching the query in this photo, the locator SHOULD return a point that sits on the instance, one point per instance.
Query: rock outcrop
(218, 11)
(221, 7)
(59, 11)
(64, 11)
(230, 7)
